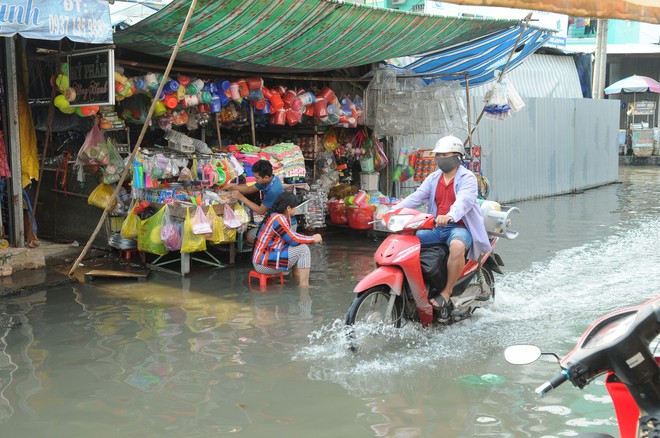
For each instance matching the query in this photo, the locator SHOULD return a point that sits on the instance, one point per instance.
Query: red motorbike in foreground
(616, 344)
(398, 289)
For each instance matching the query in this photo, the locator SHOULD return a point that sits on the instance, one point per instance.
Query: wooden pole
(13, 140)
(139, 141)
(254, 135)
(501, 76)
(217, 127)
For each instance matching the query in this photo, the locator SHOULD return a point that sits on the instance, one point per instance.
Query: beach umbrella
(634, 84)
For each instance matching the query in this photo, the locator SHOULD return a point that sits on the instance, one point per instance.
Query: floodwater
(207, 356)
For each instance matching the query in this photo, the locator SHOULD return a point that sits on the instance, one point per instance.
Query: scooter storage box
(360, 217)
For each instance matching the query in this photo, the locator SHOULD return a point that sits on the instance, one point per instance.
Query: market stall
(640, 114)
(208, 132)
(205, 115)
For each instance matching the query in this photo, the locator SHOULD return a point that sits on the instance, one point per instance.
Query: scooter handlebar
(552, 384)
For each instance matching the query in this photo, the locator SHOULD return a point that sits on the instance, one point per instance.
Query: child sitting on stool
(278, 248)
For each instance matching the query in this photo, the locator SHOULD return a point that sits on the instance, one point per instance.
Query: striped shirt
(273, 241)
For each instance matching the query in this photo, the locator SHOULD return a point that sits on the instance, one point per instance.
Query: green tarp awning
(297, 35)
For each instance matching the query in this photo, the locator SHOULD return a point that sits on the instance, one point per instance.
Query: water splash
(545, 305)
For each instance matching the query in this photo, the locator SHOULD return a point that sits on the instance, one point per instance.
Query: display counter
(641, 141)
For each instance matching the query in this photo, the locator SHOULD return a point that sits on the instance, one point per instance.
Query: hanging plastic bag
(230, 234)
(149, 239)
(94, 150)
(241, 214)
(231, 220)
(515, 101)
(131, 225)
(216, 236)
(403, 170)
(238, 167)
(113, 170)
(497, 106)
(330, 140)
(170, 233)
(101, 195)
(191, 242)
(380, 158)
(199, 223)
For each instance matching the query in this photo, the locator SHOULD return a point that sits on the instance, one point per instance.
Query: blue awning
(85, 22)
(483, 57)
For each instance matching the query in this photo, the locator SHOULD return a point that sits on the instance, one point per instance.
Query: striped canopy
(297, 35)
(482, 58)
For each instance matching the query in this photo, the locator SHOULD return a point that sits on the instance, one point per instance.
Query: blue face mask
(447, 164)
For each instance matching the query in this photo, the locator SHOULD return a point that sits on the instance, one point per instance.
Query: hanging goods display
(408, 105)
(149, 234)
(191, 242)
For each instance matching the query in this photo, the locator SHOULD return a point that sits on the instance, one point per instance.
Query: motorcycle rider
(450, 194)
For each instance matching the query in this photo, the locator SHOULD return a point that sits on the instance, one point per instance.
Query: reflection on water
(209, 355)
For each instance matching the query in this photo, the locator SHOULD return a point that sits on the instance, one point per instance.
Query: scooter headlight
(397, 222)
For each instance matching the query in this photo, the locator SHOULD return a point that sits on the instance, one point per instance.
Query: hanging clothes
(28, 134)
(29, 157)
(5, 172)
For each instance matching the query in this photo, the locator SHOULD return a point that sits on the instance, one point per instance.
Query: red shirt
(445, 197)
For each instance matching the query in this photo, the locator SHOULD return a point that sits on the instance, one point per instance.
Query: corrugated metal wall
(542, 76)
(550, 147)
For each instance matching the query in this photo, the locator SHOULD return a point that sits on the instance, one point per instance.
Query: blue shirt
(271, 191)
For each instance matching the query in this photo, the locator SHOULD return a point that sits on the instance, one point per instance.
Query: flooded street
(208, 356)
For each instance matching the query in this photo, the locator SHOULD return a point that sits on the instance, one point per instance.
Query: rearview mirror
(522, 354)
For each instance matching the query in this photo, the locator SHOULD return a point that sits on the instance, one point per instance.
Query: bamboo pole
(139, 141)
(469, 115)
(499, 79)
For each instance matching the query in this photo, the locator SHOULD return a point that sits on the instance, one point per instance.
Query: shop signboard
(91, 76)
(86, 21)
(644, 108)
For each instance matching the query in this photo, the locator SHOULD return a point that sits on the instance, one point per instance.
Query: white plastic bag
(230, 218)
(200, 225)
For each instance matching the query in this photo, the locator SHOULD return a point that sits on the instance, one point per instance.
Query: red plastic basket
(338, 215)
(359, 217)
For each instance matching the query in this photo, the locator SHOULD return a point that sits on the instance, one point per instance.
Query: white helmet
(449, 144)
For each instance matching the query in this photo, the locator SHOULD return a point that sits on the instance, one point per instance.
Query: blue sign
(86, 21)
(556, 41)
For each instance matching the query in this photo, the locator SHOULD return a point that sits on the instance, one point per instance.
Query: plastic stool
(128, 253)
(263, 278)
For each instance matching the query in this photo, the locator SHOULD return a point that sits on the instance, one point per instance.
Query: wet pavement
(56, 260)
(209, 355)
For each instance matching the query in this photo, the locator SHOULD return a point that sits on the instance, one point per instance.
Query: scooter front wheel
(373, 306)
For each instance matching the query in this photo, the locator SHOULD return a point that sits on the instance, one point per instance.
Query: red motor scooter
(396, 290)
(616, 344)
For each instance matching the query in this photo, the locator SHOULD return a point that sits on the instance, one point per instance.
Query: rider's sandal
(440, 301)
(442, 309)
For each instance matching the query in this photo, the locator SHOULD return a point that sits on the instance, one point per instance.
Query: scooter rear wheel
(371, 307)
